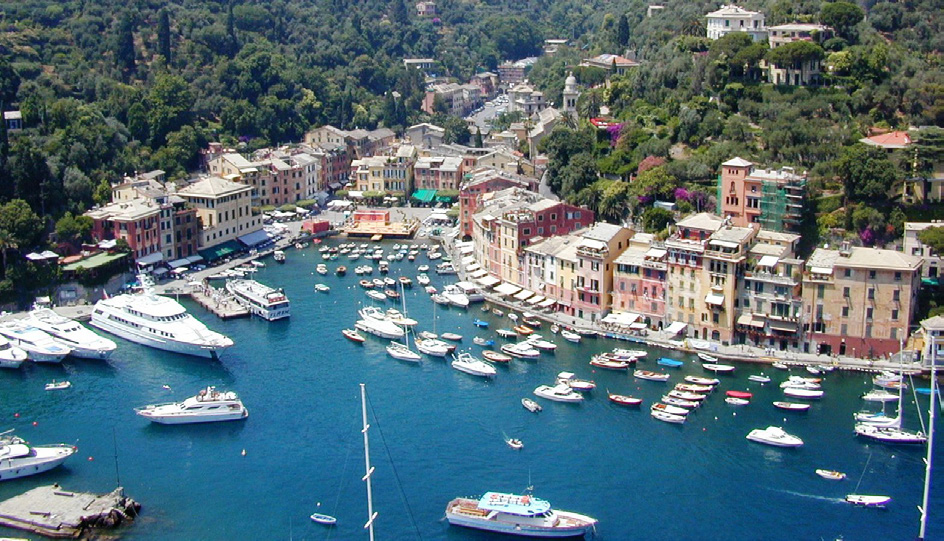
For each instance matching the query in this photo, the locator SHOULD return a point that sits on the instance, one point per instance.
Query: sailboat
(935, 397)
(431, 346)
(889, 430)
(866, 500)
(368, 470)
(402, 351)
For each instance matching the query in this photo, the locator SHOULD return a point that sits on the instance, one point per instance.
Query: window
(871, 293)
(845, 311)
(844, 329)
(895, 314)
(868, 313)
(820, 291)
(896, 295)
(848, 273)
(894, 335)
(871, 275)
(845, 292)
(897, 276)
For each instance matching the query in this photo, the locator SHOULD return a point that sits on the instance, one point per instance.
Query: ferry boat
(158, 322)
(19, 459)
(208, 406)
(39, 346)
(266, 302)
(514, 514)
(84, 343)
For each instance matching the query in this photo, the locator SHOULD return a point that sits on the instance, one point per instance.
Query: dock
(55, 512)
(218, 302)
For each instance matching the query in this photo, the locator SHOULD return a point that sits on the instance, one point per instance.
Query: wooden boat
(797, 392)
(498, 312)
(480, 323)
(555, 328)
(707, 358)
(405, 281)
(452, 336)
(366, 284)
(496, 357)
(736, 401)
(702, 381)
(523, 330)
(515, 443)
(506, 333)
(831, 475)
(666, 408)
(341, 271)
(58, 385)
(864, 500)
(391, 294)
(739, 394)
(609, 365)
(685, 395)
(376, 295)
(652, 376)
(623, 400)
(532, 322)
(693, 388)
(327, 520)
(723, 368)
(792, 406)
(427, 335)
(353, 335)
(665, 361)
(531, 405)
(570, 336)
(759, 378)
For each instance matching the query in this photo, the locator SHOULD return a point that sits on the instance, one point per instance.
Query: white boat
(395, 316)
(322, 288)
(531, 405)
(702, 381)
(723, 368)
(831, 475)
(432, 347)
(380, 327)
(402, 352)
(456, 296)
(890, 434)
(39, 346)
(736, 401)
(18, 458)
(266, 302)
(522, 350)
(514, 514)
(651, 376)
(208, 406)
(680, 402)
(707, 358)
(506, 333)
(465, 362)
(774, 435)
(427, 335)
(376, 295)
(278, 256)
(514, 443)
(439, 299)
(759, 378)
(799, 383)
(812, 369)
(570, 336)
(58, 385)
(423, 268)
(880, 395)
(452, 336)
(865, 500)
(320, 518)
(780, 366)
(878, 418)
(11, 356)
(538, 342)
(666, 417)
(793, 406)
(575, 383)
(630, 353)
(158, 322)
(321, 269)
(558, 393)
(798, 392)
(83, 342)
(423, 280)
(444, 268)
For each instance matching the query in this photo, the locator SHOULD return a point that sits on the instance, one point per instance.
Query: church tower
(570, 95)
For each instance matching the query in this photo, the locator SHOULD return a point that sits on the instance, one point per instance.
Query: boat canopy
(513, 503)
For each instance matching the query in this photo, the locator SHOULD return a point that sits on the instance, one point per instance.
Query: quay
(218, 302)
(54, 512)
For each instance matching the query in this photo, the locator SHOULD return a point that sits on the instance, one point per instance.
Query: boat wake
(810, 496)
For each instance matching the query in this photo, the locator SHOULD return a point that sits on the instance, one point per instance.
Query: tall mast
(927, 461)
(369, 526)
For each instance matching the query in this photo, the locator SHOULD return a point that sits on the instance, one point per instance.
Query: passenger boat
(480, 323)
(774, 435)
(353, 336)
(513, 514)
(506, 333)
(208, 406)
(796, 392)
(18, 458)
(465, 362)
(792, 406)
(266, 302)
(665, 361)
(831, 475)
(83, 342)
(158, 322)
(523, 330)
(38, 345)
(723, 368)
(651, 376)
(531, 405)
(58, 385)
(451, 336)
(739, 394)
(736, 401)
(479, 341)
(702, 381)
(608, 364)
(759, 378)
(521, 350)
(496, 357)
(558, 393)
(10, 355)
(570, 336)
(623, 400)
(515, 443)
(864, 500)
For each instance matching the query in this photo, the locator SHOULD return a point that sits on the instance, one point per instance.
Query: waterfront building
(485, 180)
(933, 264)
(859, 301)
(598, 248)
(391, 173)
(223, 208)
(771, 198)
(438, 173)
(236, 168)
(771, 304)
(723, 264)
(685, 250)
(639, 279)
(933, 347)
(292, 175)
(551, 265)
(734, 18)
(137, 221)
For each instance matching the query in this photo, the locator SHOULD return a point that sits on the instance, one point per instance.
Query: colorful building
(769, 198)
(484, 181)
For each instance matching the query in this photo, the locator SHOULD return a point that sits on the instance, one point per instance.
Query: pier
(55, 512)
(218, 301)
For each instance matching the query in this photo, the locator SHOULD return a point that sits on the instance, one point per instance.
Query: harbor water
(437, 433)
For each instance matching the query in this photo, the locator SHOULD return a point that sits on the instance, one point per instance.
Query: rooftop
(127, 210)
(733, 12)
(863, 258)
(890, 140)
(703, 221)
(213, 187)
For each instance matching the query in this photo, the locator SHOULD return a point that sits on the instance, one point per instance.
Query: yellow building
(223, 208)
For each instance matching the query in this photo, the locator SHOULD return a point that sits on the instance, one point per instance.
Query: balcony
(771, 278)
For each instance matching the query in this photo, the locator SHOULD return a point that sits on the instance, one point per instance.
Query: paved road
(489, 111)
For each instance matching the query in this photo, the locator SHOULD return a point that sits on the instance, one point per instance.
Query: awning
(424, 196)
(768, 261)
(547, 303)
(160, 271)
(488, 281)
(744, 319)
(676, 327)
(535, 299)
(523, 294)
(638, 326)
(468, 260)
(194, 259)
(254, 238)
(466, 249)
(723, 243)
(656, 253)
(784, 326)
(715, 299)
(42, 256)
(478, 274)
(472, 267)
(220, 250)
(178, 263)
(107, 244)
(507, 289)
(356, 194)
(334, 186)
(623, 319)
(150, 259)
(758, 322)
(821, 270)
(467, 287)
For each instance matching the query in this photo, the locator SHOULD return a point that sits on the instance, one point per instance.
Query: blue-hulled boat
(665, 361)
(480, 323)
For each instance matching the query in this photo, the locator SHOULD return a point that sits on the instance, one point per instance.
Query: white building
(912, 246)
(736, 19)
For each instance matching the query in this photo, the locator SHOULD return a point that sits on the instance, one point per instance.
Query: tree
(933, 238)
(655, 183)
(615, 201)
(163, 35)
(579, 173)
(478, 138)
(842, 16)
(124, 45)
(794, 54)
(456, 131)
(866, 173)
(9, 81)
(74, 229)
(170, 102)
(24, 227)
(30, 173)
(398, 13)
(102, 194)
(655, 219)
(622, 31)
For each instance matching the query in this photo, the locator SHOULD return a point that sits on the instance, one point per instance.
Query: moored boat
(736, 401)
(558, 393)
(666, 417)
(514, 514)
(774, 435)
(702, 381)
(506, 333)
(266, 302)
(792, 406)
(570, 336)
(722, 368)
(353, 335)
(780, 366)
(739, 394)
(521, 350)
(58, 385)
(496, 357)
(531, 405)
(809, 394)
(465, 362)
(623, 400)
(651, 376)
(759, 378)
(608, 364)
(673, 363)
(831, 475)
(18, 458)
(38, 345)
(484, 342)
(83, 342)
(208, 406)
(864, 500)
(481, 323)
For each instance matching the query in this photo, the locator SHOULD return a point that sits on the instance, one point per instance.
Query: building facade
(772, 199)
(224, 209)
(732, 18)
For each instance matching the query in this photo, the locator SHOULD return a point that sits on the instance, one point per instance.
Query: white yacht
(889, 434)
(158, 322)
(558, 393)
(432, 347)
(264, 301)
(10, 356)
(537, 341)
(774, 435)
(465, 362)
(84, 343)
(208, 406)
(380, 327)
(39, 346)
(456, 296)
(18, 458)
(514, 514)
(521, 350)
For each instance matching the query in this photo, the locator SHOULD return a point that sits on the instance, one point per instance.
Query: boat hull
(519, 530)
(184, 419)
(47, 457)
(209, 352)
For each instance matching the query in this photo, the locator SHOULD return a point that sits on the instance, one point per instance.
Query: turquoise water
(438, 433)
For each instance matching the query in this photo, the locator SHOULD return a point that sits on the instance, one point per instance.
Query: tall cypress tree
(124, 45)
(163, 35)
(622, 31)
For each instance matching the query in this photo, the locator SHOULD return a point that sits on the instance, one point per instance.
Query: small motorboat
(479, 341)
(739, 394)
(686, 395)
(376, 295)
(880, 395)
(480, 323)
(522, 350)
(651, 376)
(623, 400)
(774, 435)
(792, 406)
(702, 381)
(378, 283)
(558, 393)
(498, 312)
(523, 330)
(327, 520)
(665, 361)
(736, 401)
(723, 368)
(58, 385)
(538, 342)
(812, 370)
(321, 269)
(666, 417)
(864, 500)
(831, 475)
(405, 281)
(496, 357)
(555, 328)
(780, 366)
(353, 335)
(439, 299)
(322, 288)
(430, 289)
(569, 336)
(506, 333)
(680, 402)
(608, 364)
(693, 388)
(634, 353)
(532, 322)
(707, 358)
(575, 383)
(451, 336)
(797, 392)
(513, 316)
(759, 378)
(515, 443)
(531, 405)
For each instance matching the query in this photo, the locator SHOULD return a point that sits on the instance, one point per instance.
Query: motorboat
(38, 345)
(444, 268)
(353, 335)
(427, 335)
(376, 295)
(631, 353)
(699, 344)
(723, 368)
(378, 283)
(481, 323)
(465, 362)
(864, 500)
(673, 363)
(707, 358)
(651, 376)
(809, 394)
(665, 416)
(83, 342)
(159, 322)
(58, 385)
(812, 369)
(423, 280)
(792, 406)
(11, 356)
(523, 330)
(522, 350)
(532, 322)
(439, 299)
(780, 366)
(702, 381)
(266, 302)
(610, 356)
(456, 296)
(831, 475)
(879, 418)
(623, 400)
(19, 458)
(322, 288)
(570, 336)
(680, 402)
(451, 336)
(531, 405)
(405, 281)
(484, 342)
(208, 406)
(890, 434)
(799, 383)
(391, 294)
(432, 347)
(608, 364)
(670, 409)
(380, 327)
(498, 312)
(577, 384)
(341, 270)
(423, 268)
(515, 443)
(774, 435)
(560, 392)
(514, 514)
(402, 352)
(693, 388)
(496, 357)
(686, 395)
(739, 394)
(431, 290)
(396, 317)
(880, 395)
(506, 333)
(736, 401)
(759, 378)
(540, 343)
(321, 269)
(278, 256)
(513, 316)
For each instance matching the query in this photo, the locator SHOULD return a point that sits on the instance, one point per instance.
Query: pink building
(137, 221)
(437, 173)
(482, 181)
(597, 250)
(639, 280)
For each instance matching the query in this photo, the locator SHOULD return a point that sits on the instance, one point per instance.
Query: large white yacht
(39, 346)
(456, 296)
(208, 406)
(375, 321)
(264, 301)
(84, 343)
(158, 322)
(10, 356)
(18, 458)
(514, 514)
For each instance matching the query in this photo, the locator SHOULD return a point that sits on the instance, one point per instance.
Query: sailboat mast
(927, 461)
(369, 526)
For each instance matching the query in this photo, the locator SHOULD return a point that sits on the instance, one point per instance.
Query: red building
(482, 181)
(137, 221)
